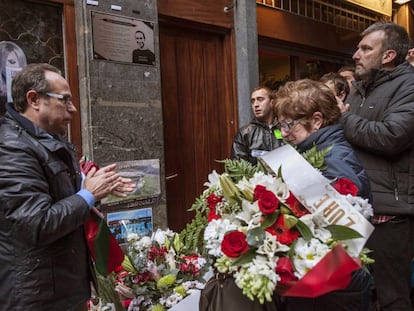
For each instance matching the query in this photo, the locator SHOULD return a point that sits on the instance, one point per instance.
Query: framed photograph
(137, 221)
(145, 174)
(122, 39)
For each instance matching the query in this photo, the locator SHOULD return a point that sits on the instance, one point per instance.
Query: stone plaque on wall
(122, 39)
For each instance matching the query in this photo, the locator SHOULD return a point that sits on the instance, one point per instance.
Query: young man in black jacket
(261, 134)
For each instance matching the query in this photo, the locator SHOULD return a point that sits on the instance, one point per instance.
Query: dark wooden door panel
(197, 113)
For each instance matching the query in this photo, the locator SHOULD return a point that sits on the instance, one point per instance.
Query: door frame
(71, 67)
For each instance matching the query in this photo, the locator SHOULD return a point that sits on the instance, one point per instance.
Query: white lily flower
(280, 189)
(316, 223)
(262, 179)
(213, 180)
(270, 246)
(250, 214)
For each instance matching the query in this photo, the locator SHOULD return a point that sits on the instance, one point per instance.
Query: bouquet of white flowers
(261, 235)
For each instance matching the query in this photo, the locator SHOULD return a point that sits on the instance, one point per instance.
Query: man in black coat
(379, 123)
(44, 198)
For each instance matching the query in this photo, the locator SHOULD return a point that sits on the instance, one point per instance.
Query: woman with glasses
(308, 115)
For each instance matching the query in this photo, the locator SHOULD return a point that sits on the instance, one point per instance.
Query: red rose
(285, 270)
(258, 192)
(234, 244)
(345, 186)
(268, 202)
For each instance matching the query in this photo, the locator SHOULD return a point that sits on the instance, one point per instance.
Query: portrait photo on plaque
(122, 39)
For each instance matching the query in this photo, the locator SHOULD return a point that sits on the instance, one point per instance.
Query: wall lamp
(401, 1)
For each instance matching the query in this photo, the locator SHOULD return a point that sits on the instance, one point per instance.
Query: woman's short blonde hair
(302, 98)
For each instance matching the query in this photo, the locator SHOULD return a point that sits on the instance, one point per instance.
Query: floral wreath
(261, 235)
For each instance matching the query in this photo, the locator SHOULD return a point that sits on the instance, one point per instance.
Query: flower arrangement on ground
(162, 273)
(157, 272)
(262, 236)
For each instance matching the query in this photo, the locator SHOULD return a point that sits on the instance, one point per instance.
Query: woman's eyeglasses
(287, 126)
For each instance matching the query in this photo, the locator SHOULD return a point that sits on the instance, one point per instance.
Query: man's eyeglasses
(66, 99)
(287, 126)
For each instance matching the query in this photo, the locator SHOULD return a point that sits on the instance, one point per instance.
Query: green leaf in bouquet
(279, 172)
(245, 258)
(269, 220)
(255, 237)
(317, 157)
(304, 230)
(237, 169)
(340, 233)
(200, 203)
(193, 234)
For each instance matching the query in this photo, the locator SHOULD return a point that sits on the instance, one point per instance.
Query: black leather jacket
(253, 140)
(43, 254)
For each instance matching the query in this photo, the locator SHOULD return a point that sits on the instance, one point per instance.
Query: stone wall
(121, 112)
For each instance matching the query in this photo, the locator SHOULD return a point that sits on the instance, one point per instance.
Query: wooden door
(199, 112)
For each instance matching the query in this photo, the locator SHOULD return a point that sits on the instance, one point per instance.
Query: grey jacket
(44, 261)
(380, 126)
